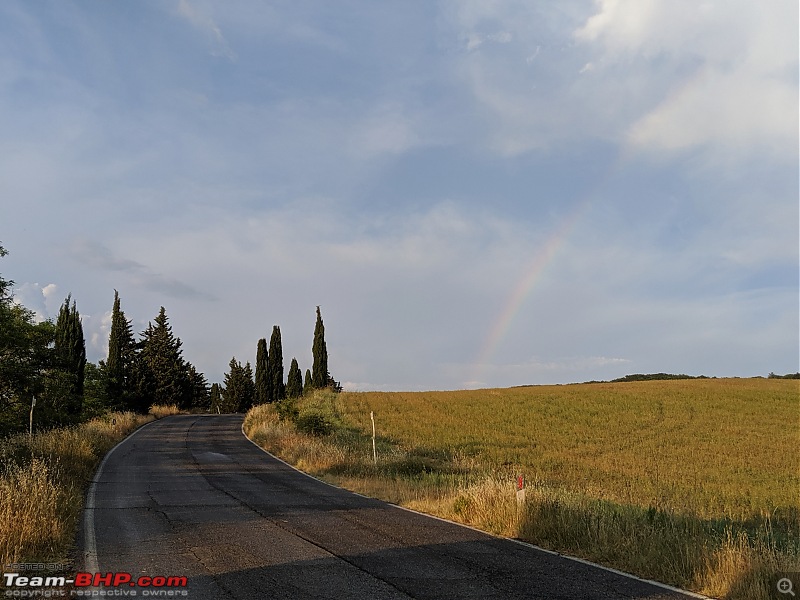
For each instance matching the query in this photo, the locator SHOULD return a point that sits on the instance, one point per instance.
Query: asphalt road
(191, 496)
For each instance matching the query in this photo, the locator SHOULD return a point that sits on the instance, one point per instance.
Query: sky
(477, 193)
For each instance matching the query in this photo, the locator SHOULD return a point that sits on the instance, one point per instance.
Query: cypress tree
(216, 398)
(263, 378)
(119, 365)
(319, 376)
(294, 382)
(70, 355)
(232, 392)
(308, 385)
(275, 362)
(248, 389)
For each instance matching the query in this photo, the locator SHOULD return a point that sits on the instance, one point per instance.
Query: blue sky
(476, 193)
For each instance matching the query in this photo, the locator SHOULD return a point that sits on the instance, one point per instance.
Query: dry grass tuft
(159, 411)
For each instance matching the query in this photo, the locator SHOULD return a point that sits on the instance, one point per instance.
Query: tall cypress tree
(233, 389)
(319, 376)
(70, 355)
(294, 381)
(216, 398)
(121, 356)
(308, 384)
(248, 387)
(275, 362)
(263, 378)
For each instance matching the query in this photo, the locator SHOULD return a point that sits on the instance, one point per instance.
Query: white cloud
(33, 297)
(657, 76)
(203, 21)
(735, 92)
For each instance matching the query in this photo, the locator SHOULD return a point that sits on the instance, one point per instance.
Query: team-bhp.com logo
(94, 585)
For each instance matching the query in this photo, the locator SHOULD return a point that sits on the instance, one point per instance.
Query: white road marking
(90, 541)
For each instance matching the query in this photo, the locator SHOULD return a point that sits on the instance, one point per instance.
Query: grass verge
(44, 479)
(723, 555)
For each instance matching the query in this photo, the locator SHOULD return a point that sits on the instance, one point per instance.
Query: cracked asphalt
(191, 496)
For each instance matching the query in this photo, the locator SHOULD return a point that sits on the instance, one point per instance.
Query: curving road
(191, 496)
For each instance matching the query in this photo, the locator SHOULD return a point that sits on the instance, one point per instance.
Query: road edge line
(90, 541)
(516, 541)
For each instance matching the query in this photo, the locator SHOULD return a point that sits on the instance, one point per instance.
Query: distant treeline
(668, 376)
(656, 377)
(787, 376)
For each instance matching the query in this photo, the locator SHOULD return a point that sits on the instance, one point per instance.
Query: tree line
(243, 388)
(46, 362)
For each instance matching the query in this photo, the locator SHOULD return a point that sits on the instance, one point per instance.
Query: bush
(315, 423)
(287, 409)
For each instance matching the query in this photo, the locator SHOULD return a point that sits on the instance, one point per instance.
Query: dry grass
(159, 411)
(43, 481)
(693, 483)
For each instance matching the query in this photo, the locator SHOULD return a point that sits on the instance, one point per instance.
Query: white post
(30, 426)
(520, 490)
(374, 452)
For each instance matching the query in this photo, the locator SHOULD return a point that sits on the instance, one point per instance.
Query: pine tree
(198, 385)
(70, 356)
(294, 382)
(319, 376)
(308, 384)
(163, 372)
(239, 387)
(275, 362)
(263, 378)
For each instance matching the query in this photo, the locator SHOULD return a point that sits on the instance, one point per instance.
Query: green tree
(216, 398)
(119, 366)
(263, 378)
(199, 387)
(249, 387)
(294, 382)
(163, 374)
(95, 398)
(308, 384)
(319, 374)
(275, 362)
(25, 357)
(70, 357)
(239, 390)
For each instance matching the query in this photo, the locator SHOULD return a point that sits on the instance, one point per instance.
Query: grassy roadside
(696, 534)
(44, 479)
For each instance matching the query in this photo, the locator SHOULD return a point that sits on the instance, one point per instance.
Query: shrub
(315, 423)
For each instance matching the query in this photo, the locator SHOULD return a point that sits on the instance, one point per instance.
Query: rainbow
(523, 288)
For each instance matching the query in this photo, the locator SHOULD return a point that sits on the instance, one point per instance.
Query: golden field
(711, 448)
